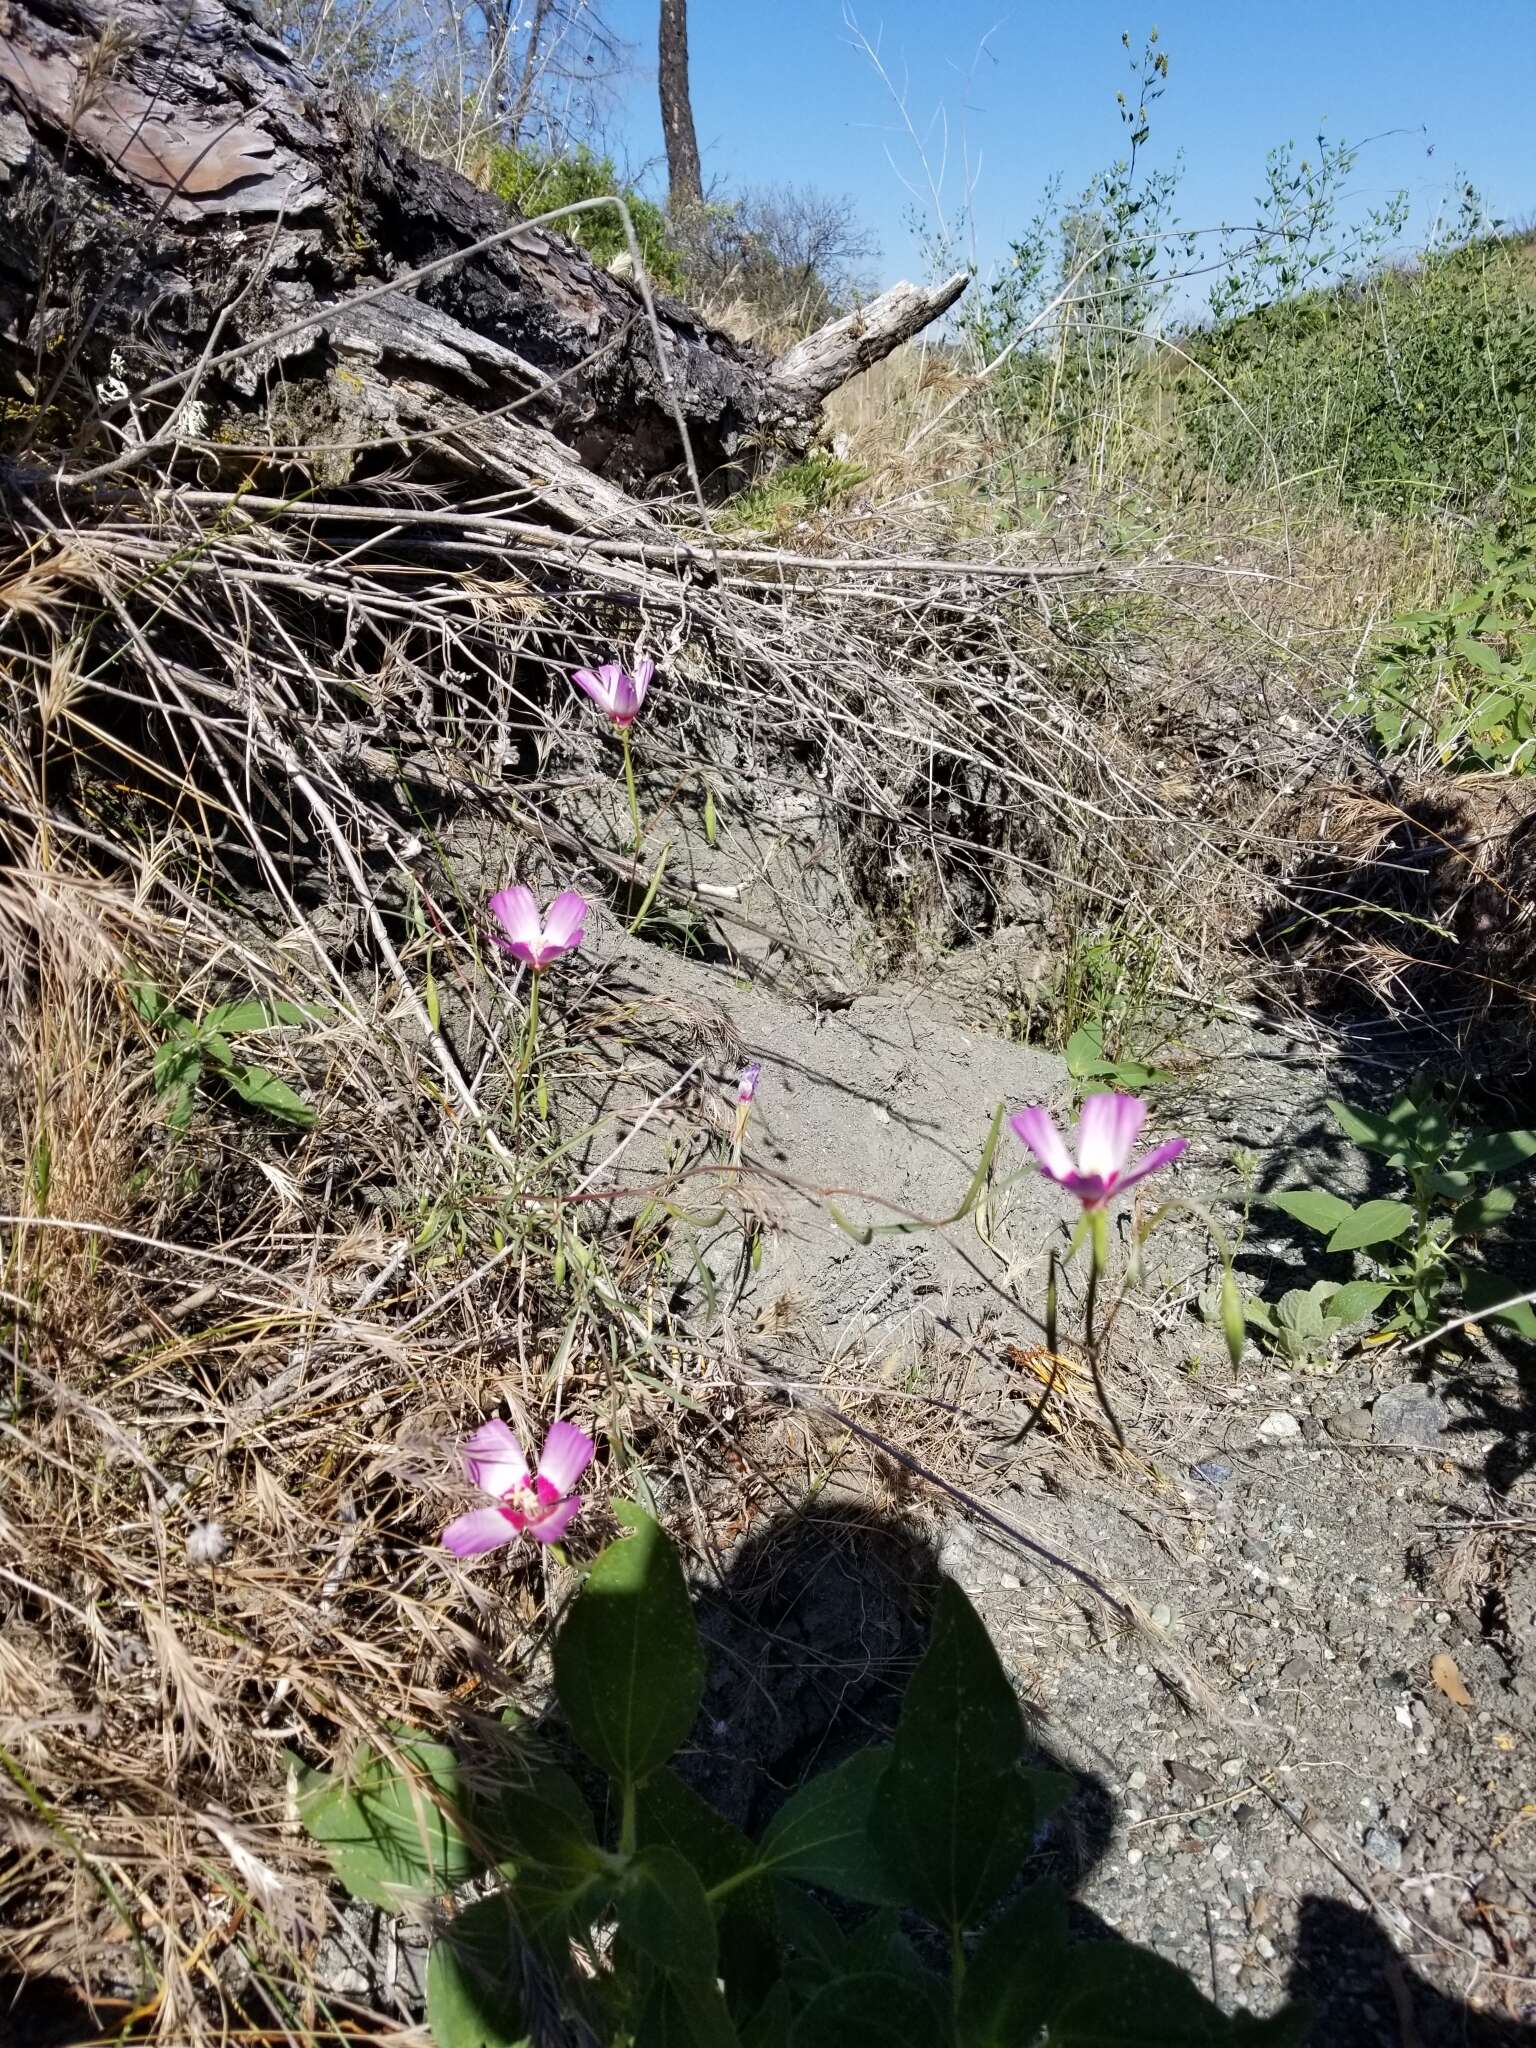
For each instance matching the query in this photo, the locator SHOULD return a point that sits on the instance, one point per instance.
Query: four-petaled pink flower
(540, 1504)
(534, 941)
(1106, 1132)
(614, 690)
(746, 1087)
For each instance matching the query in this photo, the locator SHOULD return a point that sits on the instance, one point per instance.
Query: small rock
(1279, 1426)
(1350, 1425)
(1408, 1415)
(1213, 1472)
(1384, 1847)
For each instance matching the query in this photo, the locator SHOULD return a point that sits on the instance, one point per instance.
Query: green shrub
(1409, 391)
(535, 183)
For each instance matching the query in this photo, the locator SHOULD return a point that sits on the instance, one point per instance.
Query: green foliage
(1405, 391)
(1084, 1055)
(1423, 1244)
(794, 493)
(537, 183)
(1459, 682)
(195, 1050)
(716, 1942)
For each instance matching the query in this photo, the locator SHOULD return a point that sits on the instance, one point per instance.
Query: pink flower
(614, 690)
(1106, 1132)
(531, 940)
(540, 1504)
(746, 1087)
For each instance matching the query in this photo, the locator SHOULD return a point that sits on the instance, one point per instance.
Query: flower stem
(1098, 1247)
(525, 1063)
(629, 784)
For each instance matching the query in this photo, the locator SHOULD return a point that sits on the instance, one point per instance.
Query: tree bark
(189, 216)
(685, 178)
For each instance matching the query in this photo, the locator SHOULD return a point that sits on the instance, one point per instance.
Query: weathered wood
(177, 192)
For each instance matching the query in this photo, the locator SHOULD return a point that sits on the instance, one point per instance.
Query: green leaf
(954, 1815)
(1084, 1051)
(811, 1931)
(1374, 1132)
(871, 2009)
(263, 1091)
(1116, 1996)
(1311, 1206)
(176, 1064)
(1233, 1324)
(685, 2012)
(1017, 1972)
(541, 1821)
(471, 2002)
(1372, 1223)
(769, 2026)
(662, 1910)
(1496, 1151)
(820, 1835)
(671, 1815)
(392, 1829)
(1484, 1211)
(152, 1004)
(629, 1671)
(1356, 1300)
(252, 1014)
(1480, 1290)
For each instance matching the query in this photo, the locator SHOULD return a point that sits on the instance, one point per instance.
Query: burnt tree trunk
(203, 241)
(685, 178)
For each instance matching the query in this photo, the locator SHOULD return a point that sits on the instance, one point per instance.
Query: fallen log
(205, 244)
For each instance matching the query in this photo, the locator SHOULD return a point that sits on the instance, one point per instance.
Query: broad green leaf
(1116, 1996)
(810, 1930)
(685, 2012)
(176, 1064)
(954, 1815)
(1496, 1151)
(1356, 1300)
(1376, 1222)
(471, 2001)
(871, 2009)
(1481, 1290)
(1484, 1211)
(263, 1091)
(629, 1671)
(820, 1835)
(541, 1821)
(1313, 1207)
(880, 1945)
(769, 2026)
(671, 1815)
(1374, 1132)
(1017, 1972)
(662, 1910)
(1084, 1051)
(152, 1004)
(393, 1829)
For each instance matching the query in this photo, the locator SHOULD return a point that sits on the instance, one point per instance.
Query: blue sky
(781, 94)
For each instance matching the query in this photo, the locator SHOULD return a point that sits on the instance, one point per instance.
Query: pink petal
(516, 911)
(1089, 1188)
(626, 700)
(612, 673)
(482, 1529)
(1106, 1131)
(645, 668)
(549, 1528)
(598, 687)
(1034, 1128)
(494, 1458)
(563, 922)
(567, 1454)
(1163, 1155)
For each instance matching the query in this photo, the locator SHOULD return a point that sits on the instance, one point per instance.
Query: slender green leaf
(820, 1835)
(252, 1014)
(663, 1911)
(1378, 1222)
(1313, 1207)
(1374, 1132)
(629, 1671)
(472, 2001)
